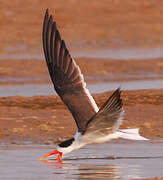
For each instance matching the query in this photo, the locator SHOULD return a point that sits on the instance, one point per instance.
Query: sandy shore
(44, 119)
(94, 70)
(96, 23)
(117, 25)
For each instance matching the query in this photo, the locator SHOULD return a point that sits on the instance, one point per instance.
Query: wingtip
(51, 18)
(47, 10)
(47, 13)
(119, 89)
(117, 93)
(46, 17)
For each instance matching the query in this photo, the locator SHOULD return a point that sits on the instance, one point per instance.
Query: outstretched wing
(66, 76)
(108, 118)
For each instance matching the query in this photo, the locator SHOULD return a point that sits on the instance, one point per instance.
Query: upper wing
(108, 118)
(66, 76)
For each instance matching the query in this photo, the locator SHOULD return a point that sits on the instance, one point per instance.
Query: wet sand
(99, 23)
(44, 119)
(117, 25)
(25, 71)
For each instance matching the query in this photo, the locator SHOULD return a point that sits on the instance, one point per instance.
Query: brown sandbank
(45, 118)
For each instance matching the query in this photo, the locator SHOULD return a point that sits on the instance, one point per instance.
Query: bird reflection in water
(78, 171)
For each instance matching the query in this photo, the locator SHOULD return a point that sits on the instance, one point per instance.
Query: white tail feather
(132, 134)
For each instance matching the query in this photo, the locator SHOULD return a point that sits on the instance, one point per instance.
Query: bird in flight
(94, 125)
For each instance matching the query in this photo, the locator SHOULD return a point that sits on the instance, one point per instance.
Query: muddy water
(115, 160)
(116, 53)
(128, 53)
(47, 89)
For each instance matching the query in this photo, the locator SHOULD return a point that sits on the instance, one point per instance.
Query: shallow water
(125, 77)
(122, 53)
(47, 89)
(113, 53)
(116, 160)
(21, 79)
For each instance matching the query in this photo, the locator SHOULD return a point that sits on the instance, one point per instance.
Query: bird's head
(62, 148)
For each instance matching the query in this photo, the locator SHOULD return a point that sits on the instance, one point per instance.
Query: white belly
(107, 138)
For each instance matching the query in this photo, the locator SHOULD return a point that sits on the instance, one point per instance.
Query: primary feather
(66, 75)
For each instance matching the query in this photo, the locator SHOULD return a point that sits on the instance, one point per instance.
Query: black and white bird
(94, 125)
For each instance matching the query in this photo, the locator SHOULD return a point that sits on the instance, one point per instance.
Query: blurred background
(105, 23)
(116, 43)
(99, 30)
(108, 23)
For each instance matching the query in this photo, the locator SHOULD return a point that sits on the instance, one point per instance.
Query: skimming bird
(94, 125)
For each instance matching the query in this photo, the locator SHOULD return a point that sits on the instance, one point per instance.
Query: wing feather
(66, 75)
(107, 120)
(52, 39)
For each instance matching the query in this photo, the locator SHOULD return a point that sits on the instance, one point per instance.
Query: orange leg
(59, 157)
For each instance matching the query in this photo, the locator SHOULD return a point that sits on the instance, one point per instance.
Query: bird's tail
(132, 134)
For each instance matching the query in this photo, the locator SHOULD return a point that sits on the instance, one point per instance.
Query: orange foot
(52, 153)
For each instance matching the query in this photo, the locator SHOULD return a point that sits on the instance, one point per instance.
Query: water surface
(28, 90)
(123, 54)
(113, 53)
(115, 160)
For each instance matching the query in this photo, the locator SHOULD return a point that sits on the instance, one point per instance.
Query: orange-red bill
(50, 154)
